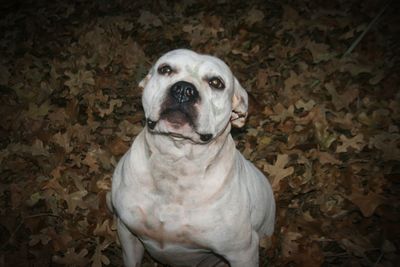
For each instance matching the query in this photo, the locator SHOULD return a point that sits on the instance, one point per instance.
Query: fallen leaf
(290, 245)
(98, 258)
(77, 80)
(388, 143)
(63, 140)
(148, 19)
(344, 100)
(366, 202)
(357, 143)
(278, 171)
(320, 52)
(118, 146)
(254, 16)
(71, 258)
(75, 200)
(325, 157)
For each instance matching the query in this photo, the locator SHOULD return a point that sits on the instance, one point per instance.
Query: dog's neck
(183, 168)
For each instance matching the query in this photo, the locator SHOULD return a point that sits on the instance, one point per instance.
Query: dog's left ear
(239, 105)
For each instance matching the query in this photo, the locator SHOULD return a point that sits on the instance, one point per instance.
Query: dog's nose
(184, 92)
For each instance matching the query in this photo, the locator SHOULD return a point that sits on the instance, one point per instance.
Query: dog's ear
(143, 82)
(239, 105)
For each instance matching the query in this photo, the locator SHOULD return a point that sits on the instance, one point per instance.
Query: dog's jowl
(183, 191)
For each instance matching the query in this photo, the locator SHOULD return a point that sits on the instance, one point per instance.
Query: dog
(183, 191)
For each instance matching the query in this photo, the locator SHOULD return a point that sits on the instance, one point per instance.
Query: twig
(378, 260)
(370, 25)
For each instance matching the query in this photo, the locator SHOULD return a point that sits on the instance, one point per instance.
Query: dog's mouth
(179, 125)
(177, 118)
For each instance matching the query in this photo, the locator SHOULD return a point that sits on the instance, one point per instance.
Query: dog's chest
(177, 181)
(156, 222)
(169, 204)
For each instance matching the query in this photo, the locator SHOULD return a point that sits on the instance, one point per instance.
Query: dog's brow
(194, 72)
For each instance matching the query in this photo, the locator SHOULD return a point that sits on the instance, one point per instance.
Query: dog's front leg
(247, 257)
(132, 248)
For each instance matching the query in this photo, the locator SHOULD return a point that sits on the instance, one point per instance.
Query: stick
(370, 25)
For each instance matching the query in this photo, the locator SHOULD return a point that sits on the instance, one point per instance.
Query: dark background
(323, 125)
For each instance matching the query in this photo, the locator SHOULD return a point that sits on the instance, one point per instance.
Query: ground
(323, 126)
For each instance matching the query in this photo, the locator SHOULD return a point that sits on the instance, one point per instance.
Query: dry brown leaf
(290, 245)
(42, 238)
(112, 104)
(357, 248)
(262, 78)
(343, 100)
(148, 19)
(320, 52)
(75, 200)
(281, 113)
(278, 170)
(366, 202)
(324, 136)
(91, 161)
(325, 157)
(72, 258)
(104, 230)
(306, 106)
(254, 16)
(36, 112)
(98, 258)
(357, 143)
(388, 143)
(63, 140)
(77, 80)
(293, 80)
(128, 129)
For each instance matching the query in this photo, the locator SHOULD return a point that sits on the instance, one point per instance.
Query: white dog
(182, 191)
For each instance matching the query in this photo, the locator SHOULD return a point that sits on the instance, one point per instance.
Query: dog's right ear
(239, 105)
(145, 80)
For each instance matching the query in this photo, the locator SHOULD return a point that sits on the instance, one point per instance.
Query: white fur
(183, 200)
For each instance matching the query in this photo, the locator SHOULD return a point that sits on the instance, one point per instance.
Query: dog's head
(192, 96)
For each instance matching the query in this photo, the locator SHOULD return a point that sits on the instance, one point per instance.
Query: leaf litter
(323, 127)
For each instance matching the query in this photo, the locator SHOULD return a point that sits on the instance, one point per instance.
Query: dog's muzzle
(179, 108)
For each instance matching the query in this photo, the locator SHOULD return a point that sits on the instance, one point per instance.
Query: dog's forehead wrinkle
(193, 70)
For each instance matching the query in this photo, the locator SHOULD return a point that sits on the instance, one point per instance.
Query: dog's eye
(165, 70)
(216, 83)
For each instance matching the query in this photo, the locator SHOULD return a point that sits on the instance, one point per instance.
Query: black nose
(184, 92)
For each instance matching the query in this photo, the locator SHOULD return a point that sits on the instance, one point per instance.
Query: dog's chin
(178, 126)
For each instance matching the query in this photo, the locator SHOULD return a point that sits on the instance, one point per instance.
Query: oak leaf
(388, 143)
(356, 142)
(148, 19)
(290, 245)
(319, 51)
(71, 258)
(63, 140)
(75, 200)
(278, 171)
(254, 16)
(341, 101)
(98, 258)
(77, 80)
